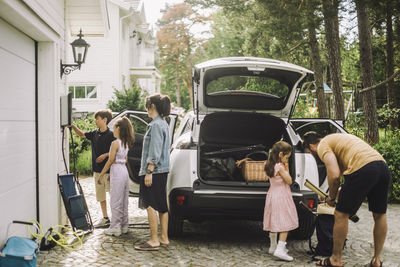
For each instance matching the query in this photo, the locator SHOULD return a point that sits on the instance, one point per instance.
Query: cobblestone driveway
(222, 243)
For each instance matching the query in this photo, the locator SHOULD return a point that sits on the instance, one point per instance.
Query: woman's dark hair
(126, 132)
(310, 137)
(273, 157)
(161, 102)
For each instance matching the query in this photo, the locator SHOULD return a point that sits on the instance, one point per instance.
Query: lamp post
(79, 49)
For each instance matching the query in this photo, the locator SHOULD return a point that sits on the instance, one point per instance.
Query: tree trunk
(318, 72)
(330, 10)
(396, 25)
(178, 85)
(367, 74)
(390, 91)
(189, 70)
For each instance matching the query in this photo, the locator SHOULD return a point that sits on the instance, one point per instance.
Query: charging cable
(62, 147)
(73, 151)
(55, 237)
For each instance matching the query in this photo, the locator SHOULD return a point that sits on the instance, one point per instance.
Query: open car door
(140, 121)
(323, 127)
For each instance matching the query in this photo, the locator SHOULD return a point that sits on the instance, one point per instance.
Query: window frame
(85, 85)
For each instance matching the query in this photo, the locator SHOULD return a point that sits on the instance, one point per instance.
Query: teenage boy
(101, 140)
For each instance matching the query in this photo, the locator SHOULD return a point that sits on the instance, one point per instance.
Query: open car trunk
(226, 137)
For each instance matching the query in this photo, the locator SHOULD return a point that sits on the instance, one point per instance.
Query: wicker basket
(253, 171)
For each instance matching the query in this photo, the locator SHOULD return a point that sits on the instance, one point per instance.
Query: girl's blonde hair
(126, 132)
(273, 157)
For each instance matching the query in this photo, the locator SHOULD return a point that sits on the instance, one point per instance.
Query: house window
(83, 91)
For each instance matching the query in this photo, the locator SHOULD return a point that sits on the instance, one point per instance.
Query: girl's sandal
(327, 262)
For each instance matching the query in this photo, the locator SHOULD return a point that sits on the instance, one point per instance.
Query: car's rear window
(240, 84)
(252, 87)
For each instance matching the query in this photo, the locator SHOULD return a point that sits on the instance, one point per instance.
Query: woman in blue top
(154, 170)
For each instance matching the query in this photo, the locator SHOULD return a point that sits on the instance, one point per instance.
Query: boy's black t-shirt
(101, 142)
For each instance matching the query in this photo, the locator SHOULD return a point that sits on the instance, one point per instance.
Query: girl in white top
(119, 176)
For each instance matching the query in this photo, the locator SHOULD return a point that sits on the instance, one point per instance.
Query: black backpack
(324, 230)
(217, 168)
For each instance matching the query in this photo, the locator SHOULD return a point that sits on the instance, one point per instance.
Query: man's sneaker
(104, 222)
(124, 230)
(113, 231)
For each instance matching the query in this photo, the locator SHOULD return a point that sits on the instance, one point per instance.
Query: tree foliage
(284, 30)
(177, 46)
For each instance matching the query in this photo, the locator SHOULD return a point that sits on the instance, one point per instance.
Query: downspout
(37, 133)
(120, 46)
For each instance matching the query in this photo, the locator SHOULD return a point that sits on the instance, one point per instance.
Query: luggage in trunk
(227, 137)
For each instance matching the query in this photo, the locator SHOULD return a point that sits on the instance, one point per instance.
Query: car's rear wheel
(306, 227)
(175, 225)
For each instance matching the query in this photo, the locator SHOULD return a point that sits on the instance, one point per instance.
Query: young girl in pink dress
(280, 214)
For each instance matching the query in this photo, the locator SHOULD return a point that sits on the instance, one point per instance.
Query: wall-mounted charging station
(66, 110)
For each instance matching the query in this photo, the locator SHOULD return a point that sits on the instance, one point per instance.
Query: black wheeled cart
(75, 203)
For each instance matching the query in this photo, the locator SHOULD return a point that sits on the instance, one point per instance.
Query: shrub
(355, 124)
(124, 99)
(389, 147)
(386, 114)
(84, 162)
(303, 110)
(81, 146)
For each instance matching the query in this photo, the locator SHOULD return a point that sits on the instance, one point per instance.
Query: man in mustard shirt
(366, 174)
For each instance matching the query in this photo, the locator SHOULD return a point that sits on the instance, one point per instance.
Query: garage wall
(24, 24)
(17, 126)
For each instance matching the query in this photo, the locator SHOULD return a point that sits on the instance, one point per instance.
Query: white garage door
(17, 127)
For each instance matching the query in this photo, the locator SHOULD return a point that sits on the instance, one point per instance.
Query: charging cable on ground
(51, 237)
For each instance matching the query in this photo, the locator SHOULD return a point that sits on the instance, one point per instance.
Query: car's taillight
(310, 203)
(180, 200)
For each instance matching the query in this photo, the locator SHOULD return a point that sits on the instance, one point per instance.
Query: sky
(152, 9)
(153, 14)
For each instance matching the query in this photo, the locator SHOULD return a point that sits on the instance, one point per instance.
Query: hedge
(389, 147)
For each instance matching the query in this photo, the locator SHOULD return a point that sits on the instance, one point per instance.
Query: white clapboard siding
(85, 15)
(50, 11)
(17, 127)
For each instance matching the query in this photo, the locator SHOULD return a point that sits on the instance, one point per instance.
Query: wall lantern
(79, 49)
(139, 41)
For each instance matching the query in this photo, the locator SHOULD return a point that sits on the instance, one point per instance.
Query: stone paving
(220, 243)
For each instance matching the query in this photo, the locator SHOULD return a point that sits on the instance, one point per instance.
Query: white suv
(241, 105)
